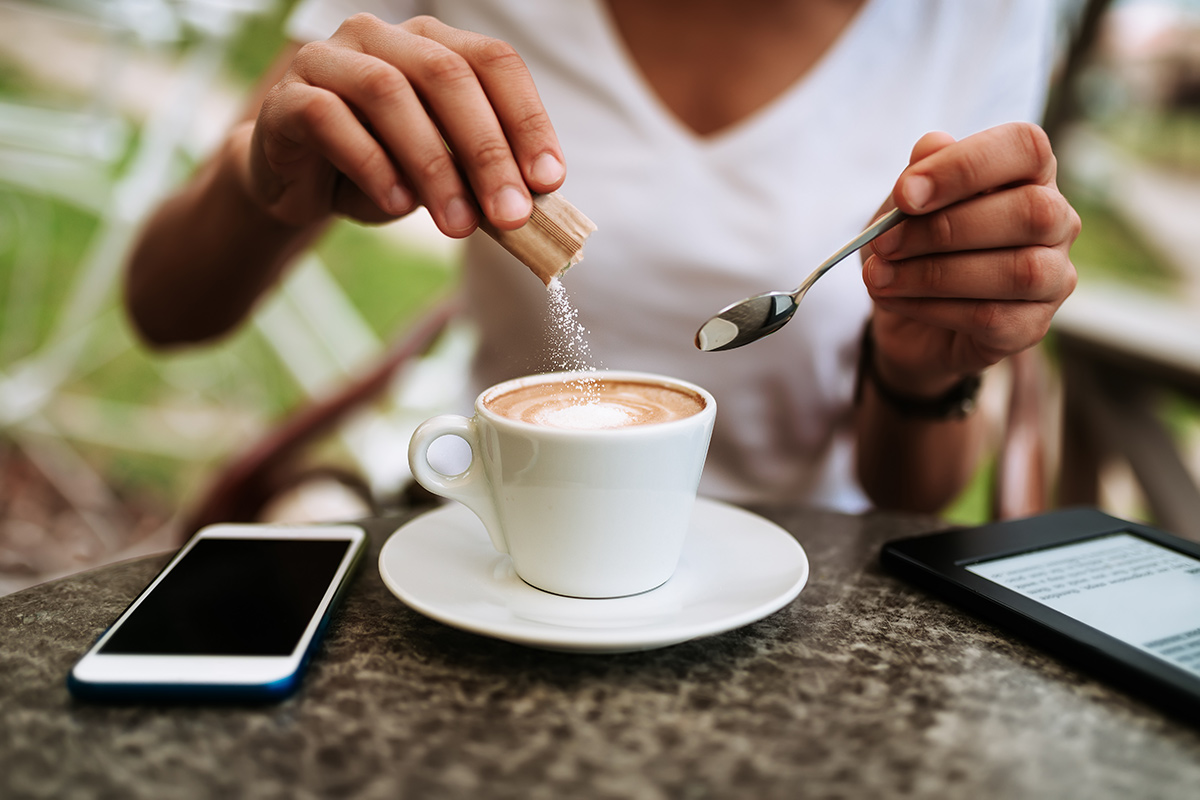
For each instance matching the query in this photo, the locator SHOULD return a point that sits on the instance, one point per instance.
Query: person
(722, 149)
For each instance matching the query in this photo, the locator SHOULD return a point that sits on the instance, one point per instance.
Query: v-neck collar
(649, 105)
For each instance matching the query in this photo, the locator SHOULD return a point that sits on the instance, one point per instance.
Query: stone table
(863, 687)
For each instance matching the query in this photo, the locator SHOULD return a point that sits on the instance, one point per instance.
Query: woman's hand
(978, 272)
(382, 118)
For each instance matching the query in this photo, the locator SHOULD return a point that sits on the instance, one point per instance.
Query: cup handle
(469, 487)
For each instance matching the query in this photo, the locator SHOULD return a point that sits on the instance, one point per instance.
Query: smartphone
(235, 615)
(1117, 598)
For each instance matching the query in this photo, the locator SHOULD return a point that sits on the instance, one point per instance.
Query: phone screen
(1121, 584)
(232, 597)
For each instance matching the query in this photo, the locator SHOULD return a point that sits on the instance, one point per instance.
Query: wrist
(919, 396)
(896, 379)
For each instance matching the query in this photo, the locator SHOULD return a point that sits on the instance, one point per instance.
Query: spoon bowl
(751, 319)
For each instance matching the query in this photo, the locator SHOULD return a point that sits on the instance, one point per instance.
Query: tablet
(1116, 598)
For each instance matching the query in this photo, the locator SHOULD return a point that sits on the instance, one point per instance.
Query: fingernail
(881, 272)
(546, 170)
(887, 242)
(401, 199)
(511, 204)
(917, 191)
(459, 215)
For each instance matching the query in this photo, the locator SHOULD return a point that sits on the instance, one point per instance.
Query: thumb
(914, 188)
(929, 144)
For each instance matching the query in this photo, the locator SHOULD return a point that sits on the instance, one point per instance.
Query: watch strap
(955, 403)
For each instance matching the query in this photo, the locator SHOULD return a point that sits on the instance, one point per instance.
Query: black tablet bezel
(938, 562)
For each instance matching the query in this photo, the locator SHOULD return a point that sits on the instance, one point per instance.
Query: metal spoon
(753, 318)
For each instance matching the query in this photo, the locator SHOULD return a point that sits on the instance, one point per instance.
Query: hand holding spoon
(753, 318)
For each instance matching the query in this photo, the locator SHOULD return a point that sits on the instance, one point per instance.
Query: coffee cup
(585, 479)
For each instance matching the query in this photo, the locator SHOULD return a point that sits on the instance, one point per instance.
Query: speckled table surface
(861, 688)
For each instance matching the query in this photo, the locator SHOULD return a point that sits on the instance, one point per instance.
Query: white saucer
(736, 568)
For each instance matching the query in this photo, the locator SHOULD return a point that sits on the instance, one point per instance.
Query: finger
(929, 144)
(514, 97)
(994, 158)
(351, 201)
(1042, 274)
(299, 119)
(451, 90)
(383, 95)
(1029, 214)
(997, 328)
(999, 325)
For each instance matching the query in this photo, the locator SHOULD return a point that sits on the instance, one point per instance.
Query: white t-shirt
(687, 224)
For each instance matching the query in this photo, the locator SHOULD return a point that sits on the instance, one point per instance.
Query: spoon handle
(879, 226)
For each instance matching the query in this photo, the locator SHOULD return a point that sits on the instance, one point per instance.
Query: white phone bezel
(227, 671)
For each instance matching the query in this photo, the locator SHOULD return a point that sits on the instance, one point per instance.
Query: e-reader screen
(1128, 587)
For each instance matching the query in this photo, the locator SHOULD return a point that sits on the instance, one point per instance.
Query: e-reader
(1117, 598)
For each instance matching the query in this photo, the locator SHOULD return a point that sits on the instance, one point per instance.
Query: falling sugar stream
(568, 341)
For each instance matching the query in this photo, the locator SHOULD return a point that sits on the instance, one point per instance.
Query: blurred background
(105, 105)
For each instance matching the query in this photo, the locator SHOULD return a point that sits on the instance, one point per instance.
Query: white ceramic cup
(582, 512)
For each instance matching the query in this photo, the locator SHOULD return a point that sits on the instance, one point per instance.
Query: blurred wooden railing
(1123, 353)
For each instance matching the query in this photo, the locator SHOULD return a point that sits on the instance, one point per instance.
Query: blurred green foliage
(42, 244)
(1109, 248)
(389, 285)
(255, 46)
(41, 241)
(1169, 138)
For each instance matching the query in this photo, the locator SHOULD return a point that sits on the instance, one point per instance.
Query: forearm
(207, 254)
(918, 442)
(914, 464)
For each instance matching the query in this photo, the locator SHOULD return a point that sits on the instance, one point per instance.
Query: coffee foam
(585, 415)
(606, 405)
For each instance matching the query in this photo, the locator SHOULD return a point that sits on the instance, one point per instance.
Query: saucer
(736, 568)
